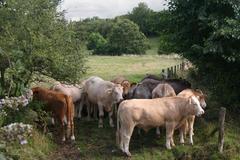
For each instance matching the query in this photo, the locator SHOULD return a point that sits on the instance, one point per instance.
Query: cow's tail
(69, 114)
(118, 137)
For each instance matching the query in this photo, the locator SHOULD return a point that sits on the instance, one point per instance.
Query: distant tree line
(124, 34)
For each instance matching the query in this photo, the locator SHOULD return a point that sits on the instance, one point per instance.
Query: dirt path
(65, 151)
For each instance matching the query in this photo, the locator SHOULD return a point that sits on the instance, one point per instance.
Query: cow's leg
(89, 110)
(77, 107)
(110, 114)
(72, 124)
(158, 132)
(182, 132)
(126, 138)
(169, 134)
(101, 114)
(53, 121)
(191, 123)
(63, 129)
(95, 112)
(72, 130)
(79, 114)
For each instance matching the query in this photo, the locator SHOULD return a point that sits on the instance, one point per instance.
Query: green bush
(97, 43)
(126, 38)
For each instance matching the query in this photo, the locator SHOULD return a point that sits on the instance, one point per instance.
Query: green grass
(38, 147)
(154, 43)
(99, 143)
(131, 66)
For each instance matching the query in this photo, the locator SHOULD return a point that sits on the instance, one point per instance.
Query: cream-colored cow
(162, 90)
(189, 122)
(147, 113)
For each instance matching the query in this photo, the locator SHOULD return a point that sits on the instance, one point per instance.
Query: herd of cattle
(153, 102)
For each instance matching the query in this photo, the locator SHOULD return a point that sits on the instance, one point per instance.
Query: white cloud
(80, 9)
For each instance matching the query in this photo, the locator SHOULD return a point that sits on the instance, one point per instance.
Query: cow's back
(152, 112)
(96, 88)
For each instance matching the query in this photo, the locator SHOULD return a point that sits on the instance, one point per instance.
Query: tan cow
(104, 94)
(162, 90)
(147, 113)
(188, 124)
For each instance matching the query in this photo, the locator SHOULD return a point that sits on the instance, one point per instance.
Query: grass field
(133, 67)
(154, 43)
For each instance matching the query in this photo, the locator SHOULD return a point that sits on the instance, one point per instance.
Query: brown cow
(148, 113)
(188, 124)
(60, 105)
(124, 83)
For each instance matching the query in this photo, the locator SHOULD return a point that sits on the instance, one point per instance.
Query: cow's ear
(109, 91)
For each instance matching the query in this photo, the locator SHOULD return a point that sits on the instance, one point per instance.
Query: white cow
(147, 113)
(104, 94)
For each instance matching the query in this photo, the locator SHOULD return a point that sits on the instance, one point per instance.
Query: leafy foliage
(34, 39)
(97, 43)
(126, 38)
(144, 17)
(207, 33)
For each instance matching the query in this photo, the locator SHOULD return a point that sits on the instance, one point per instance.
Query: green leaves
(207, 33)
(126, 38)
(37, 40)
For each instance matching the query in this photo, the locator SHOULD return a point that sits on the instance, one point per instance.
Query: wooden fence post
(175, 71)
(168, 72)
(221, 129)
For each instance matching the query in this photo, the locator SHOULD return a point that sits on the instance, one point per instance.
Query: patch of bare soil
(66, 151)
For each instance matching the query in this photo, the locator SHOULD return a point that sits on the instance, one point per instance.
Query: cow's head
(36, 93)
(193, 100)
(116, 93)
(201, 97)
(126, 86)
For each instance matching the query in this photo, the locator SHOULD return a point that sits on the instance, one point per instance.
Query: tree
(97, 43)
(144, 17)
(125, 37)
(208, 34)
(35, 39)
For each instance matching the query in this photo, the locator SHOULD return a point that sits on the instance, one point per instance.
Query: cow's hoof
(63, 139)
(128, 154)
(112, 125)
(182, 143)
(73, 138)
(158, 135)
(100, 126)
(168, 147)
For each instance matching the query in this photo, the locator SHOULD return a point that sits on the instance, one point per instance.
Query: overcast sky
(80, 9)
